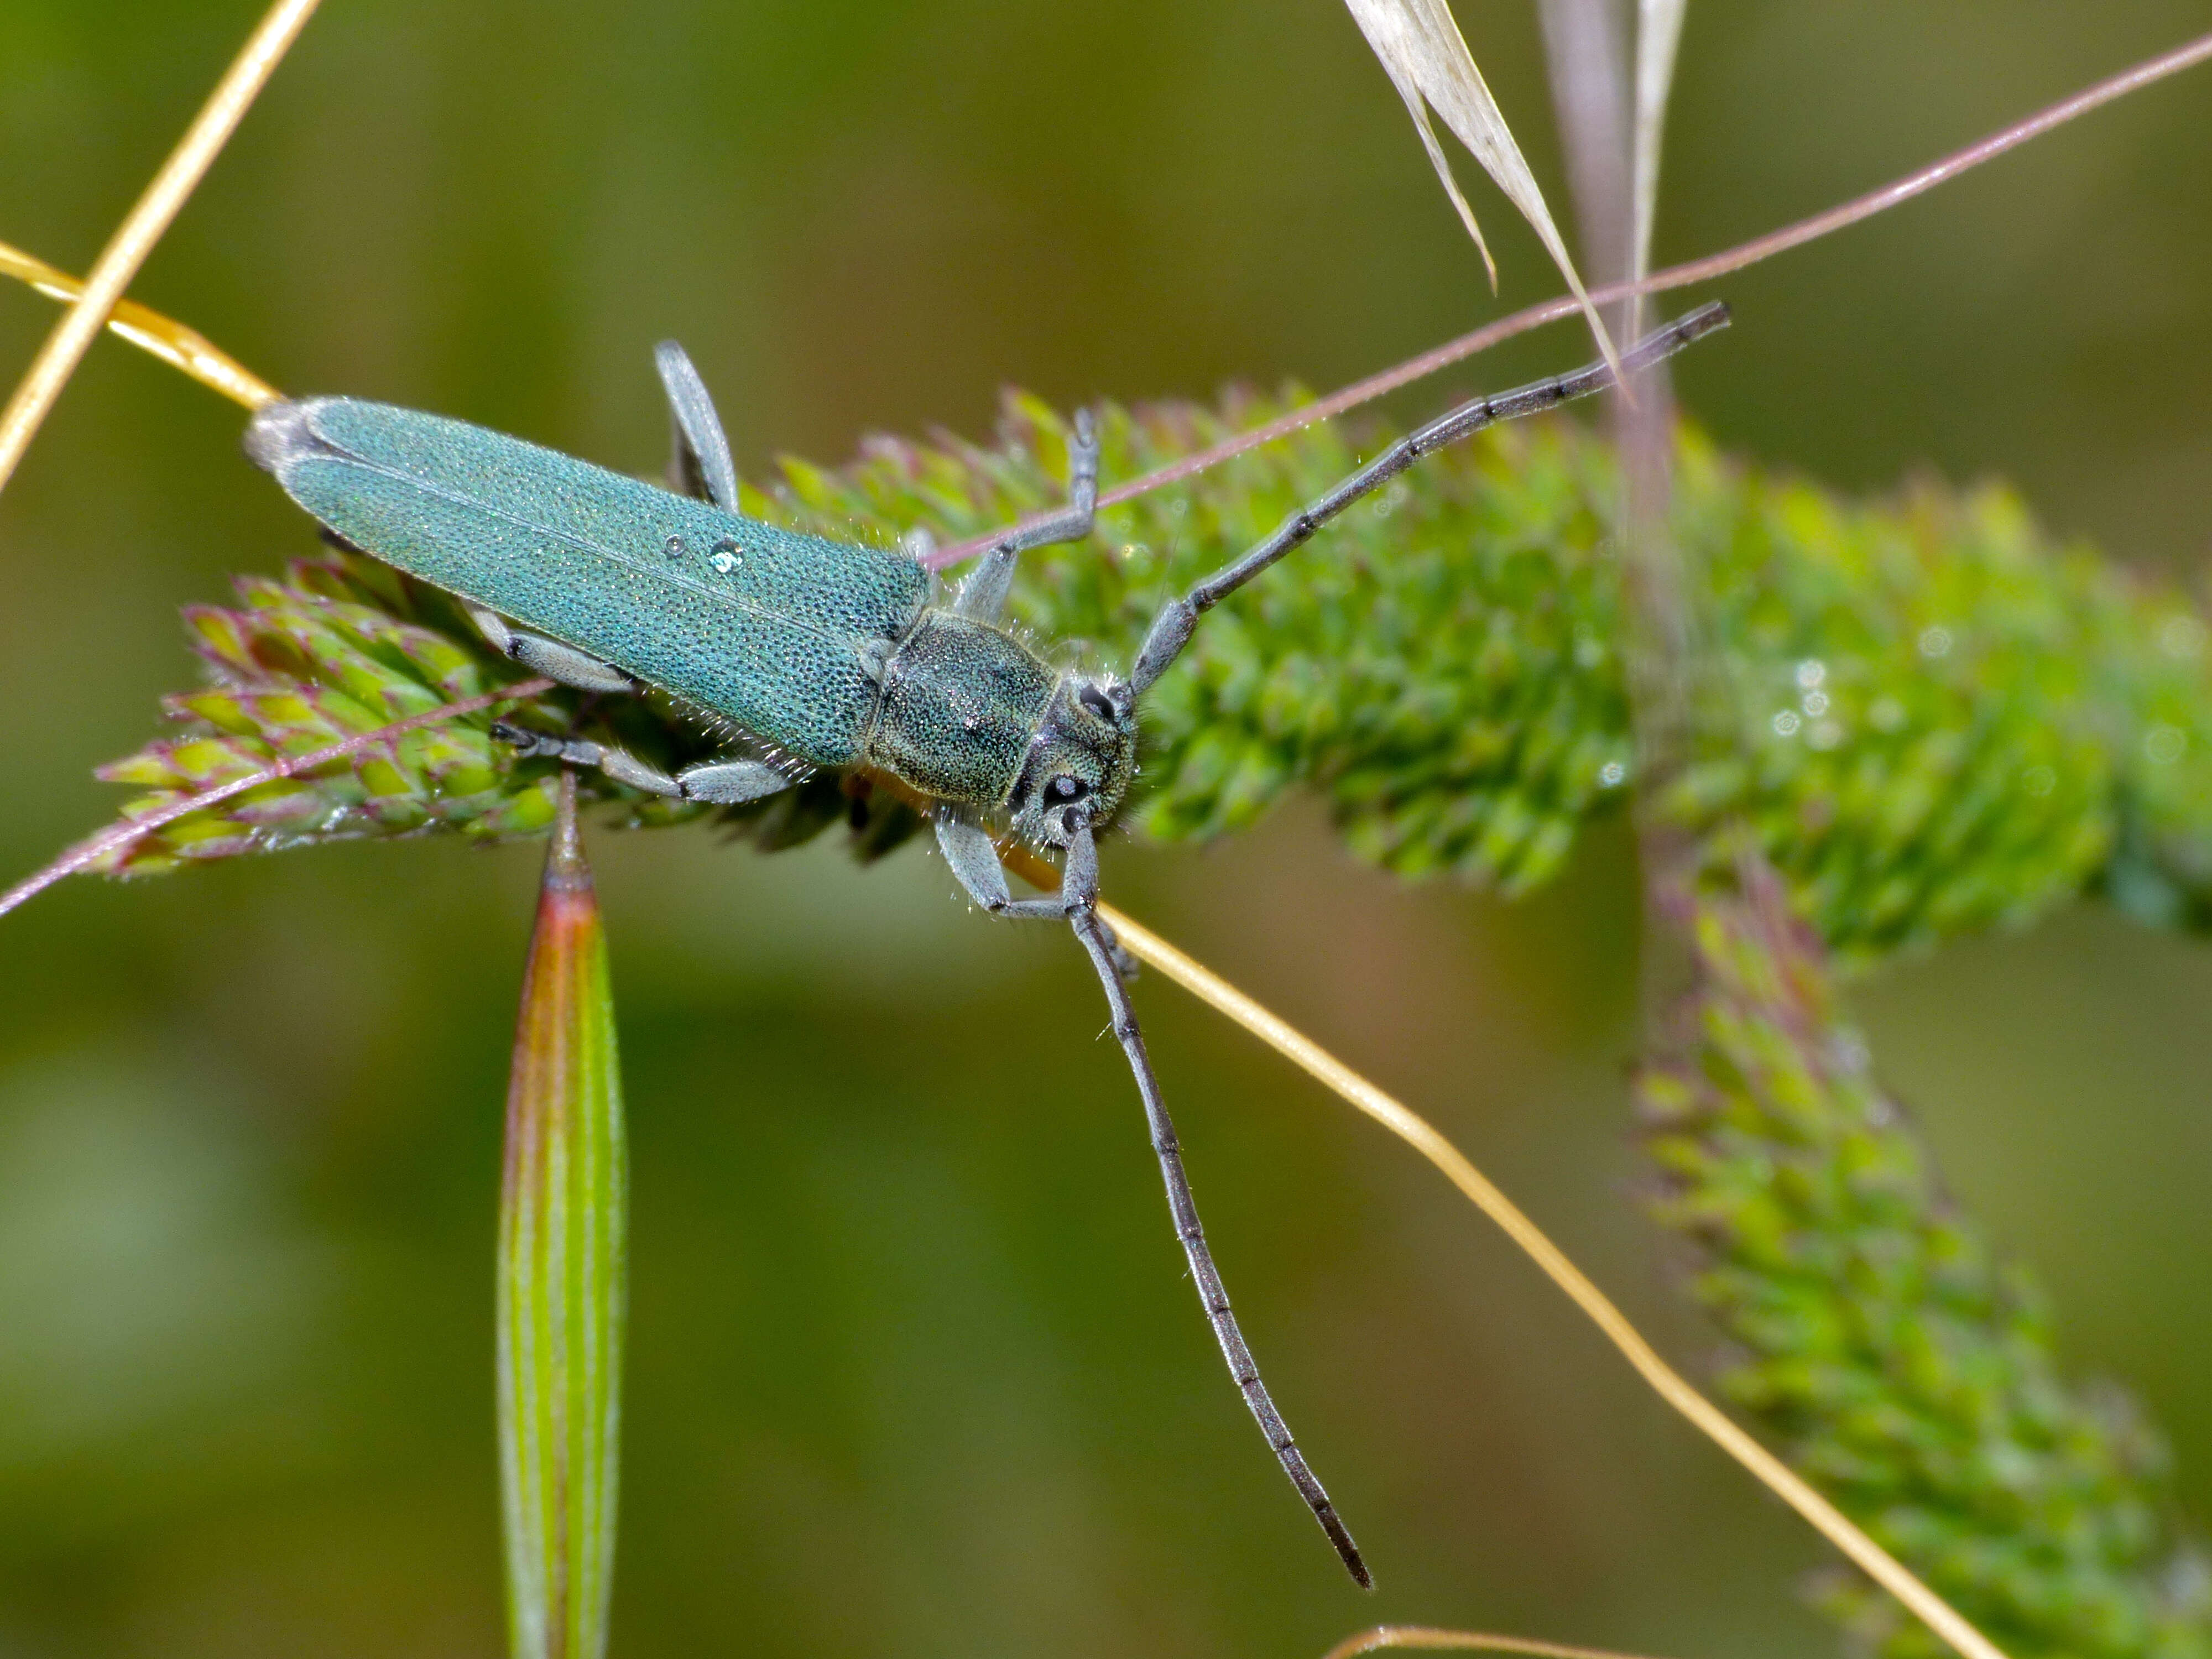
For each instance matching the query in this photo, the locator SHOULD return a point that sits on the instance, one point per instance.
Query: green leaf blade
(562, 1281)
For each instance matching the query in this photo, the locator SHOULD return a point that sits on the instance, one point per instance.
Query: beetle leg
(701, 465)
(622, 767)
(983, 595)
(718, 783)
(975, 863)
(551, 658)
(726, 783)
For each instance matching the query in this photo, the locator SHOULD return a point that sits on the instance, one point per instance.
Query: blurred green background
(915, 1369)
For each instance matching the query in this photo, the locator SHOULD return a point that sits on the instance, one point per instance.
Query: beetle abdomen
(767, 628)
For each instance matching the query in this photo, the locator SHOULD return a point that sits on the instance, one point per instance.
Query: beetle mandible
(825, 656)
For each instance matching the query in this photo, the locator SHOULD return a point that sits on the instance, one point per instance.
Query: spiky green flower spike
(339, 647)
(1939, 720)
(1906, 1370)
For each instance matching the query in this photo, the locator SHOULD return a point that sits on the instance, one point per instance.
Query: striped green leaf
(563, 1219)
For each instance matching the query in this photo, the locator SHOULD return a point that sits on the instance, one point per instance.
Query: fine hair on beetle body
(828, 655)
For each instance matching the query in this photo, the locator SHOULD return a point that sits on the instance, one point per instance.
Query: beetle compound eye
(1095, 700)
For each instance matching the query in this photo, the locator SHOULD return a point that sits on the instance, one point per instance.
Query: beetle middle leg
(701, 465)
(983, 595)
(551, 658)
(718, 783)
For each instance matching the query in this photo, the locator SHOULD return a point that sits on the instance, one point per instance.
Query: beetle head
(1084, 755)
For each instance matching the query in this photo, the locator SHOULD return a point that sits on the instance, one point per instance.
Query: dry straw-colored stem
(1410, 1126)
(1430, 1637)
(143, 225)
(1360, 392)
(181, 348)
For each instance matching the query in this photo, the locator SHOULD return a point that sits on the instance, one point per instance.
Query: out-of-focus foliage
(1904, 1367)
(1931, 719)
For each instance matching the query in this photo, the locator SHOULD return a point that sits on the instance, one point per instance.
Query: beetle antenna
(1184, 1208)
(1178, 618)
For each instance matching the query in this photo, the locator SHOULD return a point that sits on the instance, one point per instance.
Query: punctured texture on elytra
(563, 1207)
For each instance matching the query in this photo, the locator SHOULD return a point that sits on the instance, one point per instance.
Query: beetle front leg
(975, 863)
(974, 860)
(983, 595)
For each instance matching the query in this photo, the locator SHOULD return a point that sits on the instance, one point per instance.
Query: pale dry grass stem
(183, 349)
(144, 225)
(1658, 38)
(1429, 1639)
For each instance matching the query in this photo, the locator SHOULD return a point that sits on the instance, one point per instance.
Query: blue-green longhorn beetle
(824, 654)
